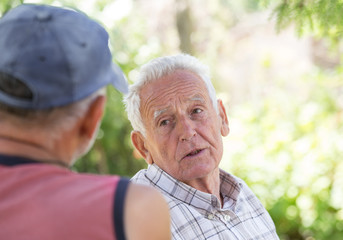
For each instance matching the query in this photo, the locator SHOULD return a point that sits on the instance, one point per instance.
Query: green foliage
(322, 17)
(289, 150)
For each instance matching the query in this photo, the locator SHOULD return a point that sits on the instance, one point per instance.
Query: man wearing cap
(54, 66)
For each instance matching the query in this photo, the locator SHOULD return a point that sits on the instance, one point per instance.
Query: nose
(186, 129)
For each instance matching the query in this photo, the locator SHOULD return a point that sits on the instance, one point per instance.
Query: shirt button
(227, 218)
(210, 216)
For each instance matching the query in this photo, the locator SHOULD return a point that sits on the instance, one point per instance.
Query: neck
(16, 146)
(209, 184)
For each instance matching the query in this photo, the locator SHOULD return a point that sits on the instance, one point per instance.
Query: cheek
(162, 149)
(211, 131)
(214, 138)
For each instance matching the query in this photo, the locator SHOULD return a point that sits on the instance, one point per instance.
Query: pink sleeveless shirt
(44, 201)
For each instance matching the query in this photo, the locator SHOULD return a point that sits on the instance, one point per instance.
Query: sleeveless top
(45, 201)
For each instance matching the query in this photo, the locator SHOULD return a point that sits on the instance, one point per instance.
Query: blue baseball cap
(60, 54)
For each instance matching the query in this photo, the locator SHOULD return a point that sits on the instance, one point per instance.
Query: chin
(197, 172)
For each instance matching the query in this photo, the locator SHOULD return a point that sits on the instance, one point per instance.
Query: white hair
(156, 69)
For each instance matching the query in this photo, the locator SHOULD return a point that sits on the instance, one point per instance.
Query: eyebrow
(159, 112)
(197, 98)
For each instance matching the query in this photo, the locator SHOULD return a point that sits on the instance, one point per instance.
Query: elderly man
(54, 65)
(178, 127)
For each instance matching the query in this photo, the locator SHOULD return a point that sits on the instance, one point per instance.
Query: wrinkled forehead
(186, 101)
(181, 86)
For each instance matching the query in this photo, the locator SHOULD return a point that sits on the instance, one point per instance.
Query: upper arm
(146, 214)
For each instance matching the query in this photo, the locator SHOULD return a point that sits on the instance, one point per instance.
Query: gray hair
(54, 121)
(158, 68)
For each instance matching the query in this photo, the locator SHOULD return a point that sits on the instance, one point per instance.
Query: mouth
(193, 153)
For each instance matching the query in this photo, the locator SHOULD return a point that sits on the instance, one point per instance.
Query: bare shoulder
(146, 214)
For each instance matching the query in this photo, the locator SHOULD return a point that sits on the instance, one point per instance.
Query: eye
(196, 110)
(164, 122)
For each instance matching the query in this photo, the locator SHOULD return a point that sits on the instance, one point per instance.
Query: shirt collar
(8, 160)
(230, 188)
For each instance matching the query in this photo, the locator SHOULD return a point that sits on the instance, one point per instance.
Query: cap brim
(120, 82)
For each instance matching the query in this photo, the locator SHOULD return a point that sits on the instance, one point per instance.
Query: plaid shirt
(198, 215)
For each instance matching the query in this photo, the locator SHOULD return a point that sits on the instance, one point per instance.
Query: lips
(193, 153)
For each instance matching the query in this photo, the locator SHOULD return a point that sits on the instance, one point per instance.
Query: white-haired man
(178, 127)
(54, 65)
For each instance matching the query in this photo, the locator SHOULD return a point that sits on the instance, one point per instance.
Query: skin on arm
(146, 214)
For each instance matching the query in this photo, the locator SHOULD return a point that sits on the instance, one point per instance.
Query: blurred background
(277, 65)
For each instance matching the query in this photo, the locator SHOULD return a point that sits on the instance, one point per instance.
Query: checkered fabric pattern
(197, 215)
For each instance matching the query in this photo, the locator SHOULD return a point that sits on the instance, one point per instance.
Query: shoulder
(146, 214)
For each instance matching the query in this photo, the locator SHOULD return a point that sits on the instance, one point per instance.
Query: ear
(92, 118)
(225, 129)
(139, 142)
